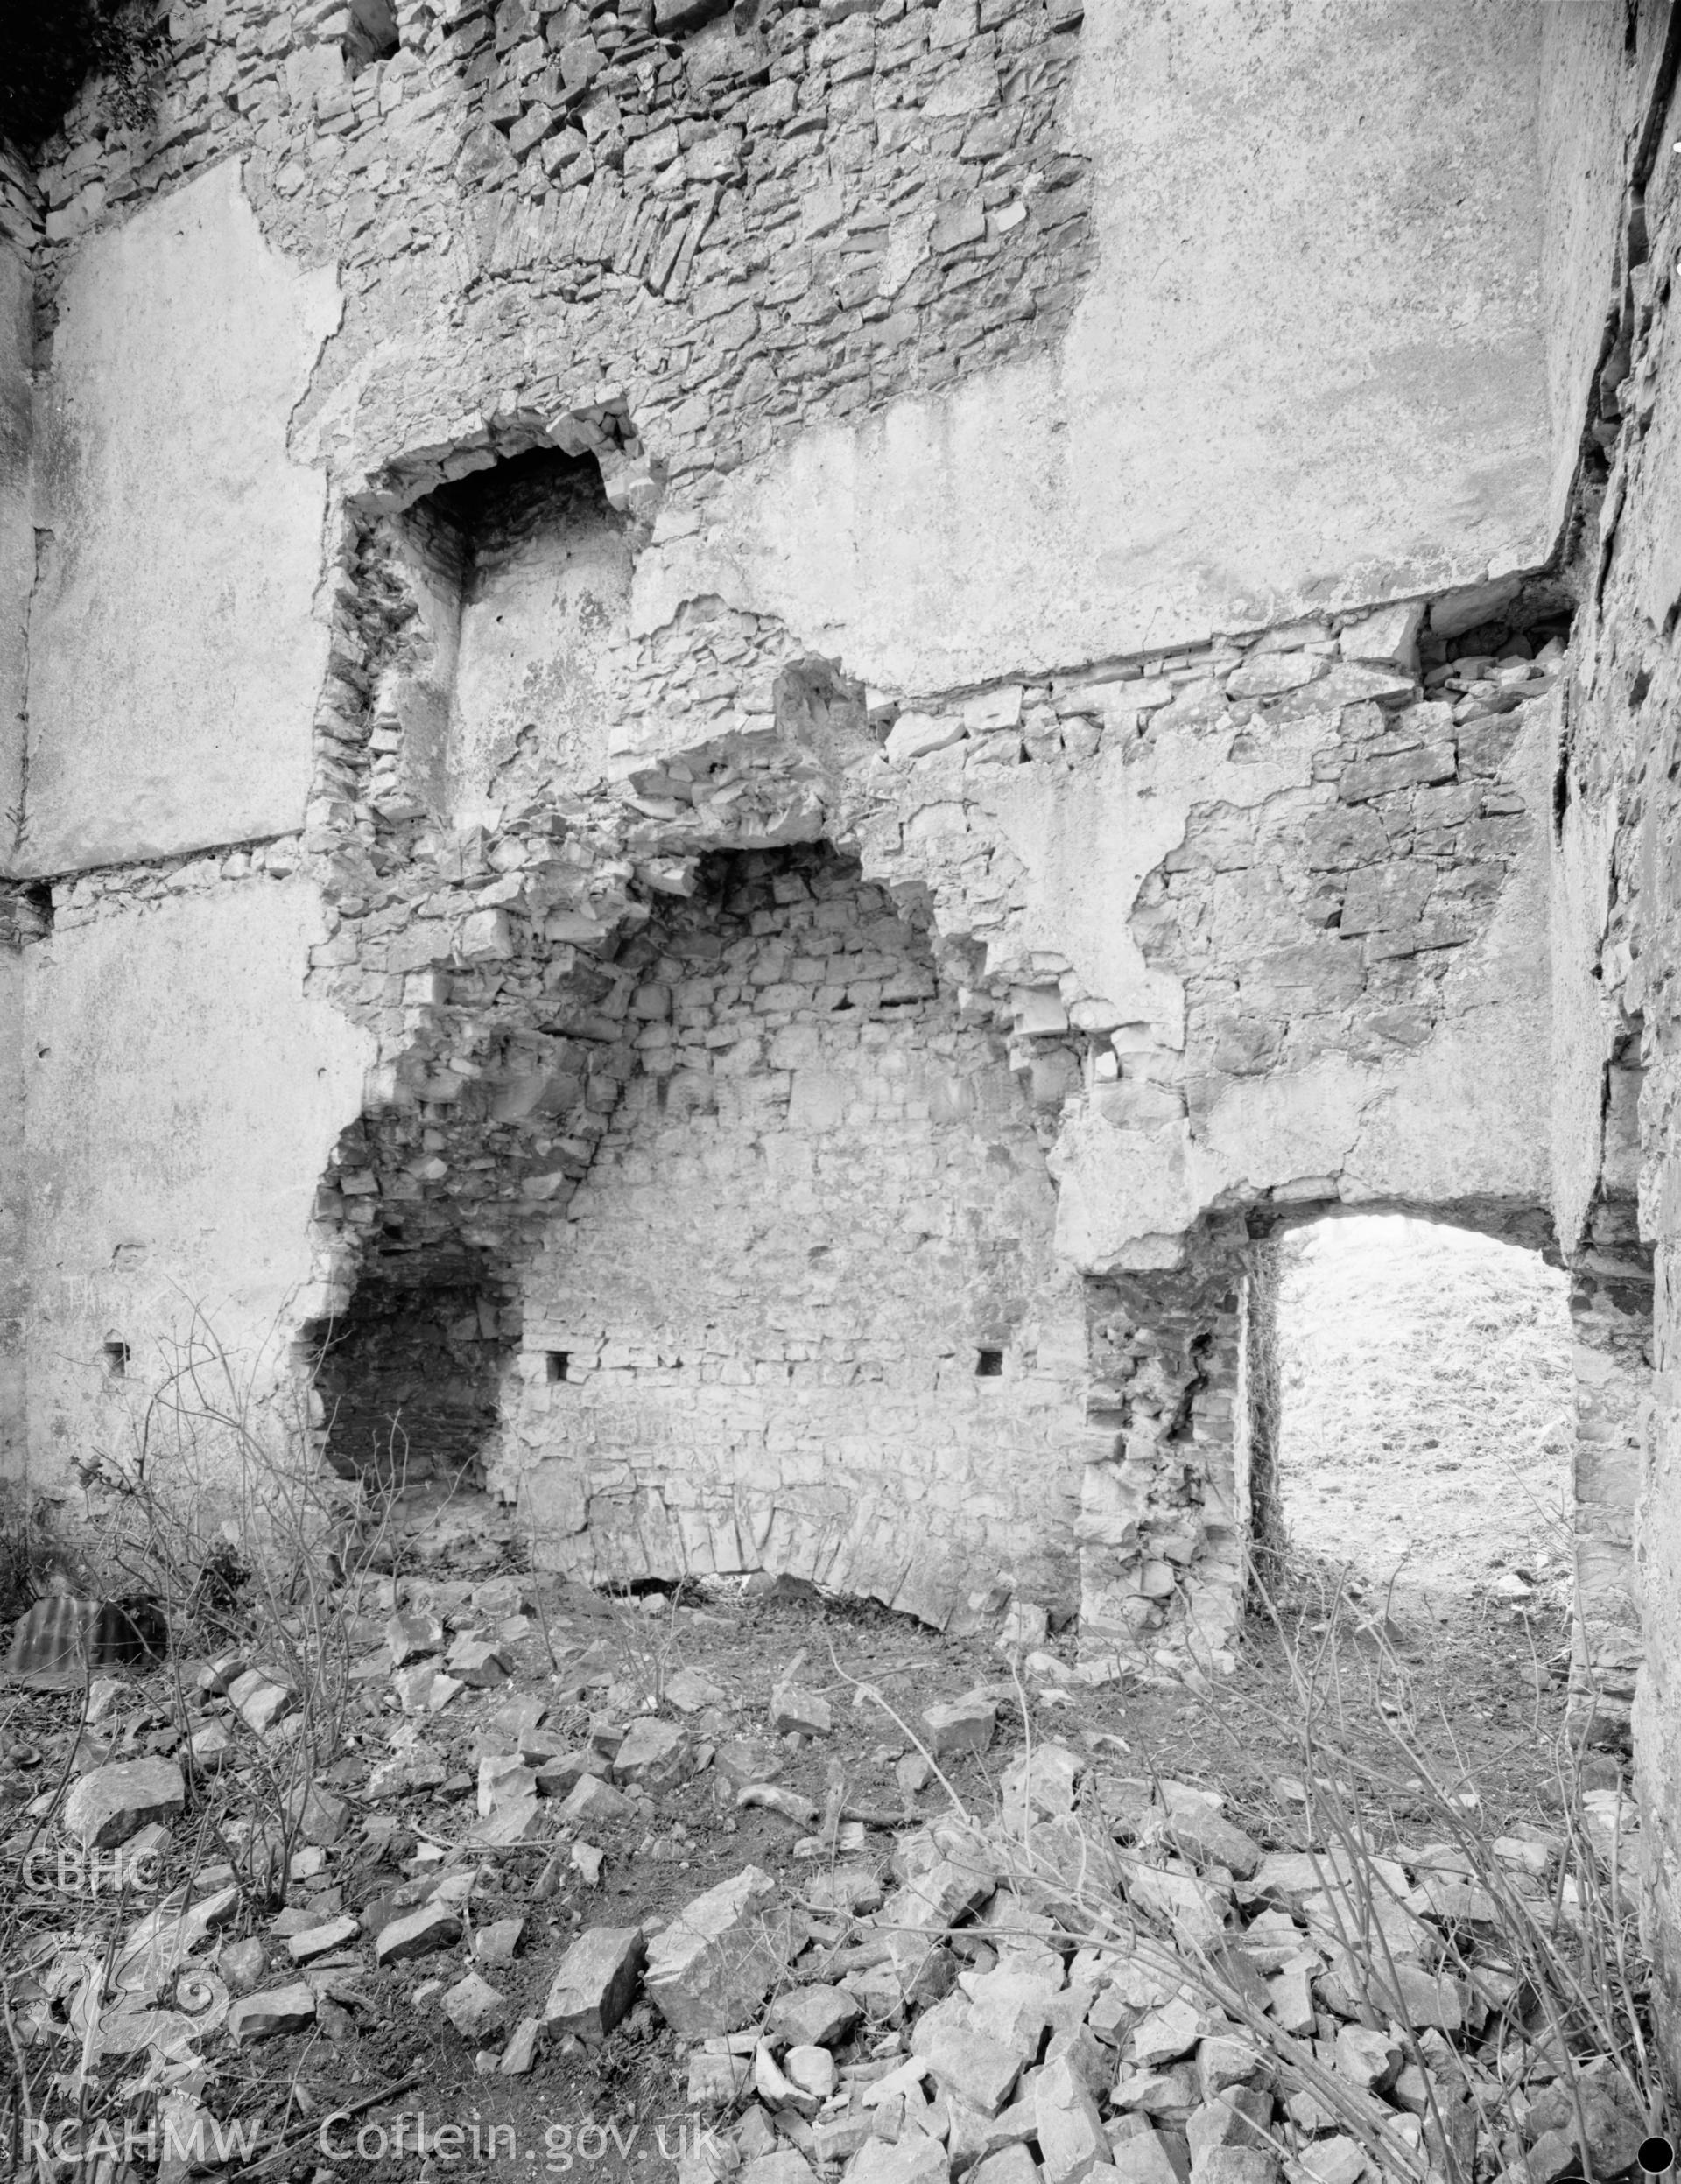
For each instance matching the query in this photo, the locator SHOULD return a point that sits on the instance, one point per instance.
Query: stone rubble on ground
(1087, 1987)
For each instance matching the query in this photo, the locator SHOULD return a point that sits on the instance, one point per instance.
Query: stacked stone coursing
(805, 1307)
(1159, 1517)
(847, 203)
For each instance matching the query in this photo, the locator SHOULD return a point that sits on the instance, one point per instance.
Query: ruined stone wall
(804, 1312)
(1618, 822)
(857, 354)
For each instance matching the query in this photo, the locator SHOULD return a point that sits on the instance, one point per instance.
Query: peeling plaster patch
(1268, 1130)
(184, 344)
(1091, 840)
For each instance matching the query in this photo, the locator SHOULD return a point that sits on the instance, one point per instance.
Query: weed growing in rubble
(1545, 1934)
(1537, 1931)
(221, 1506)
(644, 1635)
(646, 1643)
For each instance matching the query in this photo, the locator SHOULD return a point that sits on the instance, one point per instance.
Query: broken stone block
(1451, 615)
(416, 1933)
(521, 2051)
(321, 1941)
(916, 2159)
(485, 936)
(1289, 1997)
(216, 1676)
(836, 2139)
(1288, 1876)
(1371, 2059)
(756, 2135)
(1169, 2096)
(1085, 2054)
(1340, 2161)
(212, 1747)
(965, 1724)
(744, 1759)
(1241, 2165)
(1385, 638)
(505, 1780)
(1040, 1785)
(1010, 2165)
(786, 2165)
(411, 1635)
(1205, 1839)
(692, 1693)
(112, 1804)
(519, 1823)
(1196, 1909)
(776, 2090)
(1222, 2063)
(261, 1700)
(593, 1799)
(717, 2081)
(479, 1663)
(1014, 2007)
(914, 734)
(709, 1970)
(415, 1686)
(498, 1943)
(655, 1755)
(276, 2009)
(1237, 2117)
(1420, 1997)
(1273, 673)
(977, 2069)
(812, 2016)
(594, 1985)
(1071, 2142)
(1163, 2035)
(475, 2008)
(1142, 2158)
(560, 1772)
(810, 2070)
(802, 1712)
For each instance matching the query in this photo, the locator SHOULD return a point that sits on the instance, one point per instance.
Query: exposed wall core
(806, 1297)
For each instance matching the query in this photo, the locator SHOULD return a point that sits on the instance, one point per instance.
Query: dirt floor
(1428, 1415)
(1486, 1708)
